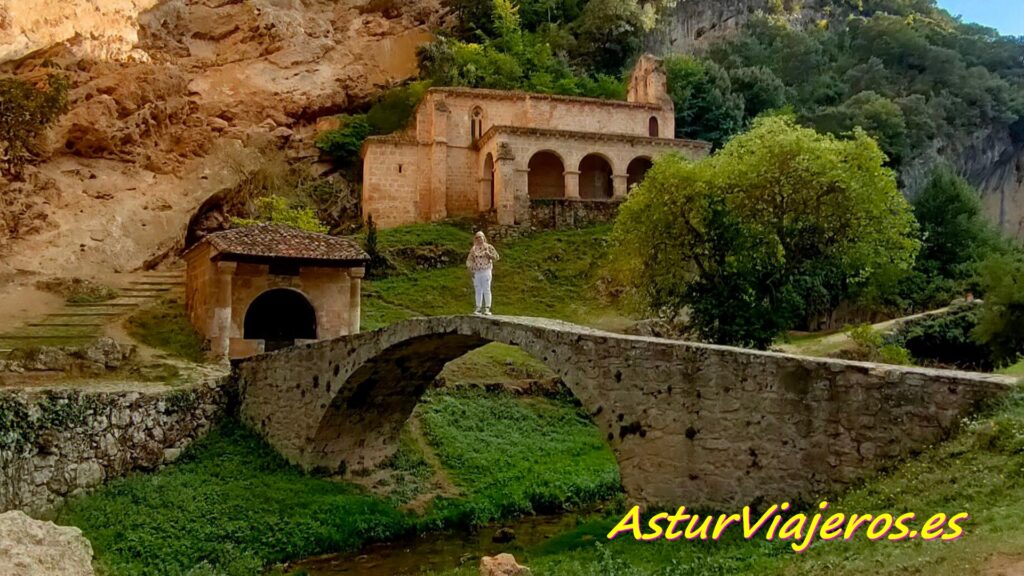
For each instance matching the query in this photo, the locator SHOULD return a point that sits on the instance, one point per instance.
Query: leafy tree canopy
(1002, 316)
(780, 224)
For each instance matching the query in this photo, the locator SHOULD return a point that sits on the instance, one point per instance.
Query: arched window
(652, 126)
(476, 123)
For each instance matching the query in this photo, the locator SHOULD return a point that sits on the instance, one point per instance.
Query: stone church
(518, 157)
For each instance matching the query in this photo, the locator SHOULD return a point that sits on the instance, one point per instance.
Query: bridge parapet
(689, 423)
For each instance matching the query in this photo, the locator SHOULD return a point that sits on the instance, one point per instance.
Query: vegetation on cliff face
(909, 75)
(25, 113)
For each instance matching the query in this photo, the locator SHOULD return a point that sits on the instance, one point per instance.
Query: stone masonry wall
(562, 214)
(58, 444)
(693, 424)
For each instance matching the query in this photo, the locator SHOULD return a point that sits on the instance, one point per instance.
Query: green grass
(231, 502)
(980, 472)
(1015, 370)
(549, 274)
(236, 506)
(514, 456)
(165, 326)
(495, 363)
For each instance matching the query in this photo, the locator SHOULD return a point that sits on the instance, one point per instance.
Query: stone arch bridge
(689, 423)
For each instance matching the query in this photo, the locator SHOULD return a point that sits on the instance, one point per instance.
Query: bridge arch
(690, 424)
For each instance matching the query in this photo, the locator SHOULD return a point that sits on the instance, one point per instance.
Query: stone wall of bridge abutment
(689, 423)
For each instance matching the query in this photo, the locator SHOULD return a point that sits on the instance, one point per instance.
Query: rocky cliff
(168, 96)
(171, 96)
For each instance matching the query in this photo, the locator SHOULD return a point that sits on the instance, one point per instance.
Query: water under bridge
(689, 423)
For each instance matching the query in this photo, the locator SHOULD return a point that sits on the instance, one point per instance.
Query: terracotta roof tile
(280, 241)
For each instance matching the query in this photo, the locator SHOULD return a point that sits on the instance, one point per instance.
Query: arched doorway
(637, 170)
(487, 200)
(279, 317)
(595, 178)
(547, 176)
(652, 127)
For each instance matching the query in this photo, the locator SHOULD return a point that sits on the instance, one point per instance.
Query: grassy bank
(232, 506)
(550, 274)
(980, 472)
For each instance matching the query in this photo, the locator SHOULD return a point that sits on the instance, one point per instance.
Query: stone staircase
(80, 324)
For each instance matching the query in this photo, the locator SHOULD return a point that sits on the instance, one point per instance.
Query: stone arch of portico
(545, 174)
(597, 176)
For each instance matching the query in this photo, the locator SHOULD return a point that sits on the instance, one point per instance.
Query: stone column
(220, 332)
(355, 294)
(505, 184)
(572, 184)
(438, 203)
(620, 186)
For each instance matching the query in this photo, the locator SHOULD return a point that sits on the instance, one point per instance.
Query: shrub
(78, 290)
(344, 143)
(277, 209)
(1001, 322)
(25, 112)
(945, 339)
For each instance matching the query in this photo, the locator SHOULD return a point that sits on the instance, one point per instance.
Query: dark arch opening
(547, 176)
(595, 178)
(652, 127)
(279, 317)
(637, 170)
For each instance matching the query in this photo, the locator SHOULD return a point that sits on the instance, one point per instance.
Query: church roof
(264, 242)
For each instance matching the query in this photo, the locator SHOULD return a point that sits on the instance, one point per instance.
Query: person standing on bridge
(481, 264)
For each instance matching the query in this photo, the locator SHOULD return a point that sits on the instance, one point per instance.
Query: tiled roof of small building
(277, 241)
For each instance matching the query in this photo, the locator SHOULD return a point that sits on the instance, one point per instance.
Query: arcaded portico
(260, 288)
(501, 153)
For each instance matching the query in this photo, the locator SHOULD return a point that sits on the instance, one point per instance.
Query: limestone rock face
(502, 565)
(164, 92)
(35, 548)
(102, 29)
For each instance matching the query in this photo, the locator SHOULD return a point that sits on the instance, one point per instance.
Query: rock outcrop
(160, 89)
(36, 548)
(502, 565)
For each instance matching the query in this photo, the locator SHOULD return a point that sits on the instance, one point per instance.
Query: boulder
(502, 565)
(35, 548)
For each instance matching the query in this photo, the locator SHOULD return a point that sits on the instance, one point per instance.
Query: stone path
(79, 324)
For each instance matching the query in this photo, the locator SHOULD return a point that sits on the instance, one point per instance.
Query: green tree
(955, 232)
(344, 143)
(25, 112)
(277, 209)
(706, 107)
(1001, 326)
(781, 224)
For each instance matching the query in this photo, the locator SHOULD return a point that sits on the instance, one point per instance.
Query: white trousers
(482, 286)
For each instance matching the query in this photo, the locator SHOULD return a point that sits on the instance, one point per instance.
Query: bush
(945, 339)
(25, 112)
(343, 144)
(78, 290)
(1001, 323)
(276, 209)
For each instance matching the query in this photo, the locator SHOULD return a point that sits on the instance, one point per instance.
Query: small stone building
(260, 288)
(519, 157)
